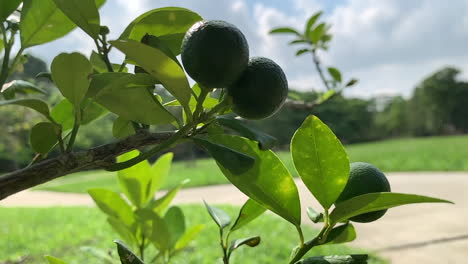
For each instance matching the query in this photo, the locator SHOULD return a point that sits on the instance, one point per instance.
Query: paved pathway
(427, 233)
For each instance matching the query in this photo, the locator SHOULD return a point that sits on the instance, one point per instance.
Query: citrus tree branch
(96, 158)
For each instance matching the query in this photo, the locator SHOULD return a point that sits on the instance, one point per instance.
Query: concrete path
(425, 233)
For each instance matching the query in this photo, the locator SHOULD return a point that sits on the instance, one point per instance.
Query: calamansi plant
(229, 84)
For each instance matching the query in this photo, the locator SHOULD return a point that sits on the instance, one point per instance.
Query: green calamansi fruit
(260, 91)
(214, 53)
(364, 178)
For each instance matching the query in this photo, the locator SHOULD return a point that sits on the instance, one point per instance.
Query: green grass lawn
(62, 231)
(414, 154)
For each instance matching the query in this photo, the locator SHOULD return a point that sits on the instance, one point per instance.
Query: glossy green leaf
(335, 259)
(341, 234)
(54, 260)
(159, 172)
(83, 13)
(311, 22)
(320, 160)
(112, 204)
(134, 181)
(286, 30)
(131, 97)
(188, 236)
(10, 89)
(63, 113)
(159, 65)
(220, 217)
(157, 43)
(376, 201)
(302, 51)
(314, 216)
(7, 7)
(335, 73)
(160, 205)
(264, 140)
(122, 128)
(249, 241)
(35, 104)
(175, 222)
(43, 137)
(318, 32)
(71, 73)
(233, 160)
(249, 212)
(126, 255)
(168, 23)
(125, 232)
(268, 182)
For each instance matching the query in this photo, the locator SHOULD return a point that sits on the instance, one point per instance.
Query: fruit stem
(76, 126)
(319, 68)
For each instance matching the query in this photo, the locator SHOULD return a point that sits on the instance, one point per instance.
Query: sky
(389, 45)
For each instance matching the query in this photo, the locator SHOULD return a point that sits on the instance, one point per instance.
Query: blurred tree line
(438, 106)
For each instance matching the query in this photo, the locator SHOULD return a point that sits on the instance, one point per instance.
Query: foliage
(89, 92)
(146, 220)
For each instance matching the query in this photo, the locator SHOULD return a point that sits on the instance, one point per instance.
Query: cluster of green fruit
(216, 55)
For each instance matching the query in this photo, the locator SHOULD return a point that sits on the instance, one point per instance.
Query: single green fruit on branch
(364, 178)
(260, 91)
(214, 53)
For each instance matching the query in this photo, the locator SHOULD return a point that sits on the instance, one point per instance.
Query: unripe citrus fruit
(364, 178)
(260, 91)
(214, 53)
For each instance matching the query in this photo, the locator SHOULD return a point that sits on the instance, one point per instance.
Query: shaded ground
(428, 233)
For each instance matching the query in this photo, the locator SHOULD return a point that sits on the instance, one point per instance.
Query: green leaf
(71, 73)
(122, 95)
(54, 260)
(347, 259)
(268, 182)
(341, 234)
(175, 222)
(46, 75)
(10, 89)
(43, 137)
(7, 7)
(159, 65)
(102, 80)
(134, 181)
(160, 236)
(311, 22)
(125, 232)
(35, 104)
(264, 140)
(320, 160)
(42, 22)
(99, 65)
(112, 204)
(325, 96)
(83, 13)
(351, 82)
(188, 236)
(126, 255)
(371, 202)
(221, 218)
(314, 216)
(249, 241)
(317, 33)
(249, 212)
(160, 205)
(302, 51)
(63, 113)
(122, 128)
(299, 41)
(159, 171)
(335, 73)
(283, 30)
(168, 23)
(234, 161)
